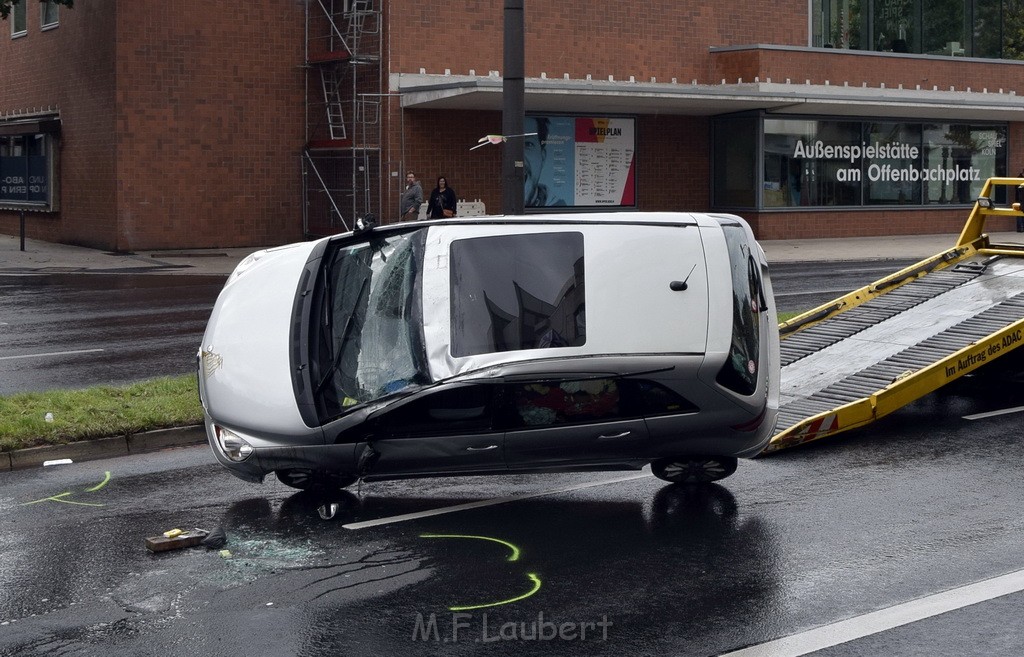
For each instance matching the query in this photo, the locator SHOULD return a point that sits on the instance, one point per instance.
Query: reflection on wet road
(801, 539)
(75, 330)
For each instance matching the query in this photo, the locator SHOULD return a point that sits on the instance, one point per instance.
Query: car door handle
(622, 434)
(485, 448)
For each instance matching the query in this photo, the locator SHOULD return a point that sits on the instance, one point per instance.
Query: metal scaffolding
(341, 162)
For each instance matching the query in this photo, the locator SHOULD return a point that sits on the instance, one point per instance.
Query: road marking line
(1005, 411)
(52, 353)
(885, 619)
(482, 503)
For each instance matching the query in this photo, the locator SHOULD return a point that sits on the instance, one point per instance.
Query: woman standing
(442, 200)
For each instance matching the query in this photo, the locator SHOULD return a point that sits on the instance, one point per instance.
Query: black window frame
(38, 178)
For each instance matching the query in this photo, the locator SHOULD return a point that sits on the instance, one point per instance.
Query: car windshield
(371, 343)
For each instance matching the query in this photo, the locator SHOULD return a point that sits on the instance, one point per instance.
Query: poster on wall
(580, 161)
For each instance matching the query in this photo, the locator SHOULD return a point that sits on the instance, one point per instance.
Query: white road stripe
(1005, 411)
(52, 353)
(885, 619)
(482, 503)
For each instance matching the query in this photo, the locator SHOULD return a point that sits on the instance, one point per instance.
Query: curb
(89, 450)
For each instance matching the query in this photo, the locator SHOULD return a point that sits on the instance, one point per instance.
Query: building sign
(818, 163)
(580, 162)
(859, 156)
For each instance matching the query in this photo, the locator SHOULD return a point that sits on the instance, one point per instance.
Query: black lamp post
(513, 91)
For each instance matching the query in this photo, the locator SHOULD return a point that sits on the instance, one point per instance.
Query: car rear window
(515, 292)
(740, 370)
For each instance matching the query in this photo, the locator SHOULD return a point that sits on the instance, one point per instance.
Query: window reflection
(517, 292)
(953, 28)
(810, 163)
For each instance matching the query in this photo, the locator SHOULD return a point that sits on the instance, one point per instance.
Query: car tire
(313, 479)
(694, 469)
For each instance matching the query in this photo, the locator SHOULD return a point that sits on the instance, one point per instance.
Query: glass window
(517, 292)
(579, 401)
(546, 403)
(1013, 29)
(462, 409)
(49, 13)
(809, 163)
(959, 158)
(735, 162)
(370, 329)
(739, 373)
(19, 23)
(814, 163)
(891, 161)
(24, 169)
(953, 28)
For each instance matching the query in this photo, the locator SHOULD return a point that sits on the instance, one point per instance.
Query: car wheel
(694, 469)
(313, 479)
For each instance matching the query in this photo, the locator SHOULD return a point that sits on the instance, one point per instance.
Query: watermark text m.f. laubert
(481, 629)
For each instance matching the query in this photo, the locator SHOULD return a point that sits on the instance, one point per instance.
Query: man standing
(412, 199)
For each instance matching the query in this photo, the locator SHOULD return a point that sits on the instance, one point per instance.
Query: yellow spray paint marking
(60, 497)
(52, 498)
(514, 556)
(536, 587)
(515, 551)
(99, 485)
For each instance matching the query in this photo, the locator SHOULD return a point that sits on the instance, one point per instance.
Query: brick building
(178, 124)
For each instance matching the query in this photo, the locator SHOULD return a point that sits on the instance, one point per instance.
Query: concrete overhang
(462, 92)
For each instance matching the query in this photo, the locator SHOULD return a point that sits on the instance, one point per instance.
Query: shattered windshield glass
(371, 327)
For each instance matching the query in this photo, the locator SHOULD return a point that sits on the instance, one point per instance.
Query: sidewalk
(45, 257)
(49, 258)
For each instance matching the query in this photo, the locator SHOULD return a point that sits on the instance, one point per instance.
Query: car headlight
(233, 445)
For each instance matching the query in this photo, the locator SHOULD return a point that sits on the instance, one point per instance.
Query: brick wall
(209, 123)
(664, 39)
(70, 69)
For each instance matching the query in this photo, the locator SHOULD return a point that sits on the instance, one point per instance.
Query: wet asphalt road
(73, 330)
(800, 286)
(921, 502)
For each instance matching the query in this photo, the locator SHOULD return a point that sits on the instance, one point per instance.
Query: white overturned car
(496, 345)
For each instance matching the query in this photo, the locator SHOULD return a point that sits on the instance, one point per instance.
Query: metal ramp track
(817, 337)
(931, 350)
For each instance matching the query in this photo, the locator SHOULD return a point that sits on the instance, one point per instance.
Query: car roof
(635, 218)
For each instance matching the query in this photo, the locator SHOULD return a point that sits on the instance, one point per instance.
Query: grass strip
(106, 411)
(99, 412)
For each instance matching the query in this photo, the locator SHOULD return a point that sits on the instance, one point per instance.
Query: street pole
(22, 230)
(513, 91)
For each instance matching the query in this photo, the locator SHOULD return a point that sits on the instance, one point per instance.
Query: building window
(735, 160)
(817, 163)
(49, 14)
(19, 22)
(26, 171)
(954, 28)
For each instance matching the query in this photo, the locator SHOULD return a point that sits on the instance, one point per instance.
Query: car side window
(553, 402)
(649, 399)
(538, 404)
(455, 410)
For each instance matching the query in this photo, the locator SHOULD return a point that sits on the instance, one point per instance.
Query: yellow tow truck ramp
(858, 358)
